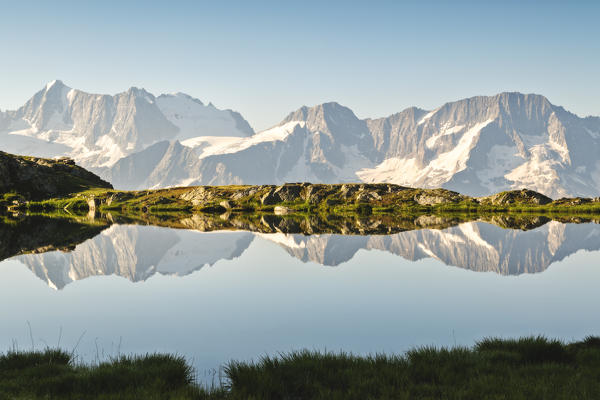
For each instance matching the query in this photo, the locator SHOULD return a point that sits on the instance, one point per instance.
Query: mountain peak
(180, 95)
(523, 97)
(319, 112)
(55, 83)
(137, 90)
(477, 145)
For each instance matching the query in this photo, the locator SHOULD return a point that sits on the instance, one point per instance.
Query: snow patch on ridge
(410, 171)
(538, 173)
(540, 170)
(430, 143)
(402, 171)
(110, 151)
(211, 145)
(501, 160)
(192, 117)
(426, 117)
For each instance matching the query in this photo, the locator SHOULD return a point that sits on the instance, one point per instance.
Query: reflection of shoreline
(37, 234)
(137, 252)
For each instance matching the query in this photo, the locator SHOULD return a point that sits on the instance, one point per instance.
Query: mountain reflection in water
(60, 251)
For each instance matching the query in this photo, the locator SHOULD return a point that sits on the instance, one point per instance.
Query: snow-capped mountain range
(476, 146)
(138, 252)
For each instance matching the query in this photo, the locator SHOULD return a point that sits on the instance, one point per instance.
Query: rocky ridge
(476, 146)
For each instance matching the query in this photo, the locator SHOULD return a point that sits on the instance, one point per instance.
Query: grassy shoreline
(531, 367)
(304, 198)
(43, 185)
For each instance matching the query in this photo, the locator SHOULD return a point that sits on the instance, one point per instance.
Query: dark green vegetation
(527, 368)
(52, 374)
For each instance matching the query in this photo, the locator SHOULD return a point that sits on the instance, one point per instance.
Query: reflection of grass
(365, 221)
(527, 368)
(38, 233)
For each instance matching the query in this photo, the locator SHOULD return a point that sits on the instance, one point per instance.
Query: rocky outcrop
(289, 191)
(40, 178)
(197, 196)
(438, 196)
(270, 198)
(521, 197)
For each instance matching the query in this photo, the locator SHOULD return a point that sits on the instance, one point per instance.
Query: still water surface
(217, 296)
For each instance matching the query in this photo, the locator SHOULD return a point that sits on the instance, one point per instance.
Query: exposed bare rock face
(270, 198)
(438, 196)
(288, 192)
(198, 196)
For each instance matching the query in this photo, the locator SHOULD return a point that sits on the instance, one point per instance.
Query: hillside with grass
(33, 178)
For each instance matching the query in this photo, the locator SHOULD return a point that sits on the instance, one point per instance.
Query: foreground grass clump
(53, 374)
(527, 368)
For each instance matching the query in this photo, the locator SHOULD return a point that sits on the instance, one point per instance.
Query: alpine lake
(220, 288)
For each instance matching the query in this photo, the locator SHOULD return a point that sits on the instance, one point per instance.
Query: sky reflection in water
(263, 294)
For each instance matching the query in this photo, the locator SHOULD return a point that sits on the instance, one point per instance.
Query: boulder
(288, 192)
(226, 204)
(197, 196)
(280, 210)
(243, 193)
(429, 200)
(270, 198)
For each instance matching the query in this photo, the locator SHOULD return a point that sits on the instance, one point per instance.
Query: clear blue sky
(266, 58)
